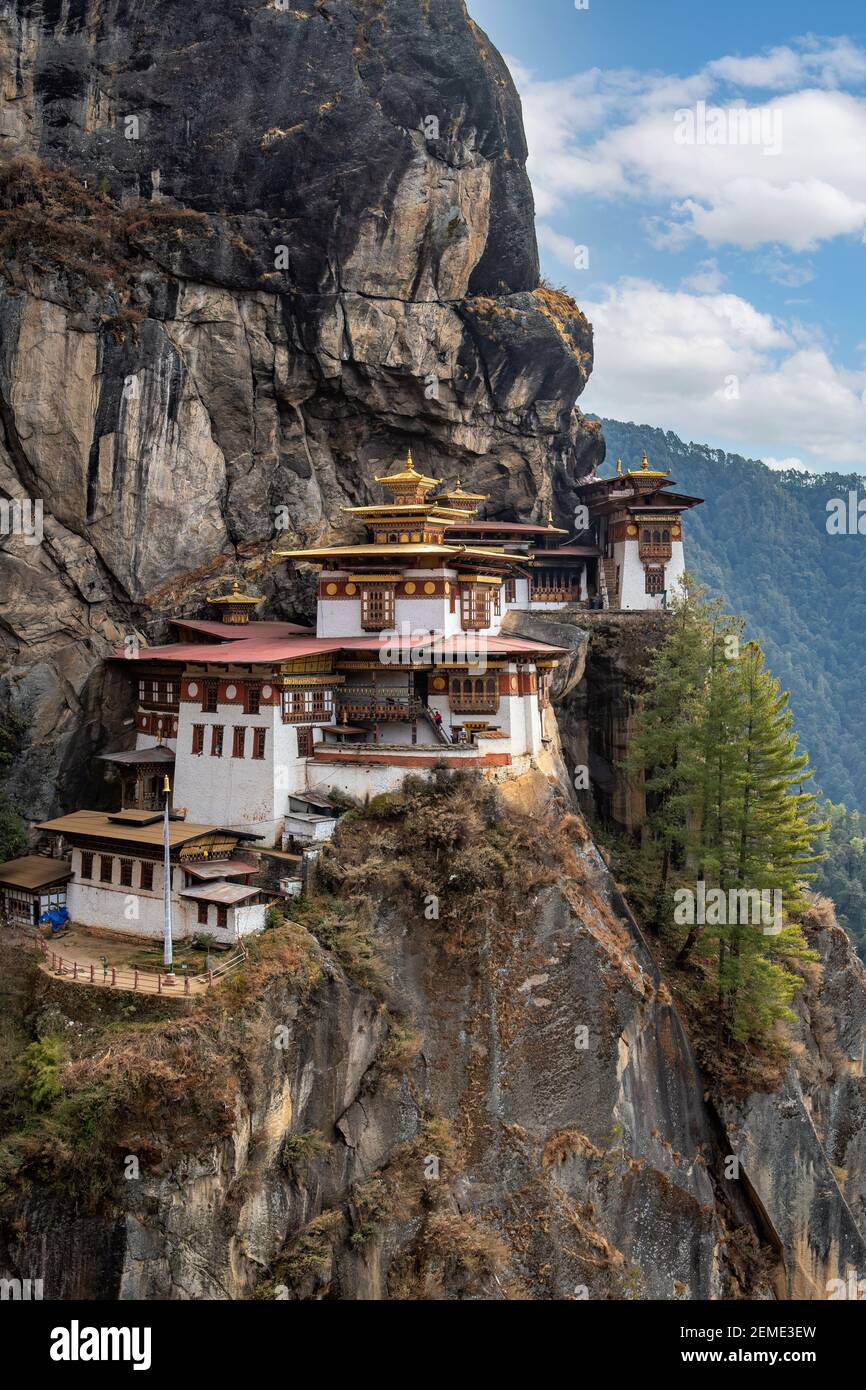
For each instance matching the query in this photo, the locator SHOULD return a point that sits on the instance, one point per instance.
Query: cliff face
(305, 242)
(494, 1099)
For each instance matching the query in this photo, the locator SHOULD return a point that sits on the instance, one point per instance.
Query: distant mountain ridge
(760, 542)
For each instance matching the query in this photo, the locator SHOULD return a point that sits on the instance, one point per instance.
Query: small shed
(31, 886)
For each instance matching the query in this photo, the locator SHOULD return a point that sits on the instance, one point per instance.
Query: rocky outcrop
(267, 291)
(596, 695)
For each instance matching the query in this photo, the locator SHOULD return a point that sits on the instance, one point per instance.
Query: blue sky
(711, 160)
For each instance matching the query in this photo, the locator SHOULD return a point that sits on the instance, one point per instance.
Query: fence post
(209, 978)
(186, 984)
(91, 973)
(159, 984)
(113, 975)
(135, 979)
(75, 970)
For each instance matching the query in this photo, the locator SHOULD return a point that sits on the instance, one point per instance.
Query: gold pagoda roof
(644, 471)
(459, 494)
(424, 550)
(235, 596)
(408, 477)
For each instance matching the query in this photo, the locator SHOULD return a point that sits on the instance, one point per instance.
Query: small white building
(118, 877)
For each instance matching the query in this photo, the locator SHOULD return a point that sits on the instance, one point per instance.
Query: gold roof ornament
(619, 468)
(408, 478)
(550, 525)
(645, 471)
(465, 501)
(236, 605)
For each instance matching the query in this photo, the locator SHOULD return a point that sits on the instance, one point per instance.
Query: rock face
(355, 271)
(586, 1157)
(596, 693)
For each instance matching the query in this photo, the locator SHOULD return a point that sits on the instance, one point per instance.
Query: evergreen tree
(717, 751)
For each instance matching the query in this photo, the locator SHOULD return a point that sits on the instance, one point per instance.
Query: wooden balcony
(379, 711)
(473, 704)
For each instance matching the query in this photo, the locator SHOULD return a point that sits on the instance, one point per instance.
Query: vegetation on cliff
(727, 849)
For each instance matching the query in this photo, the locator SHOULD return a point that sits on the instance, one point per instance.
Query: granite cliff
(226, 304)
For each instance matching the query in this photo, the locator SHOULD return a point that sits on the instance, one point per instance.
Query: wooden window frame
(510, 590)
(239, 741)
(203, 915)
(106, 876)
(222, 920)
(378, 607)
(260, 737)
(306, 742)
(217, 740)
(145, 876)
(87, 864)
(126, 867)
(253, 698)
(210, 697)
(475, 607)
(197, 740)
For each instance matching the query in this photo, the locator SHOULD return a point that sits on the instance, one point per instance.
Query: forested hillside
(761, 544)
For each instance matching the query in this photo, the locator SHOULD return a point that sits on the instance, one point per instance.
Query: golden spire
(550, 520)
(644, 463)
(619, 468)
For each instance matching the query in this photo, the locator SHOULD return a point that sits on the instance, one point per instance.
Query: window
(476, 606)
(222, 917)
(254, 699)
(655, 581)
(209, 698)
(126, 873)
(378, 608)
(106, 868)
(259, 736)
(511, 591)
(497, 601)
(158, 694)
(305, 743)
(479, 693)
(86, 864)
(198, 738)
(216, 741)
(203, 911)
(305, 705)
(146, 877)
(239, 737)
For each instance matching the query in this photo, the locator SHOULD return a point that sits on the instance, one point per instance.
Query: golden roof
(645, 471)
(237, 597)
(461, 495)
(408, 478)
(425, 550)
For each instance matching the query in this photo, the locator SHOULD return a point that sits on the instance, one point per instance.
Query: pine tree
(718, 753)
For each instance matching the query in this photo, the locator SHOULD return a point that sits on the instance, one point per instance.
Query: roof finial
(619, 468)
(550, 518)
(644, 463)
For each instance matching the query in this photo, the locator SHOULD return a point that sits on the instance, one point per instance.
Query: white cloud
(782, 465)
(825, 62)
(712, 366)
(800, 179)
(707, 279)
(562, 247)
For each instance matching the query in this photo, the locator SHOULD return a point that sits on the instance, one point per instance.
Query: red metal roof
(254, 651)
(231, 632)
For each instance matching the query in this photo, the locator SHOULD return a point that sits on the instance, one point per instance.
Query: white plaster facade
(632, 582)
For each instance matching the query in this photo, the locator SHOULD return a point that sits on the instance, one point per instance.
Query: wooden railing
(139, 981)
